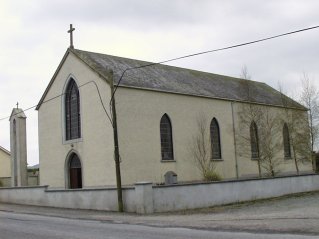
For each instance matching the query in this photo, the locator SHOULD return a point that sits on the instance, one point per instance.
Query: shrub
(212, 176)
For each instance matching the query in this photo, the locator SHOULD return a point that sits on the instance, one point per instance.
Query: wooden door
(75, 172)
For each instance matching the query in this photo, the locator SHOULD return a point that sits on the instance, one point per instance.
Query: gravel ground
(295, 214)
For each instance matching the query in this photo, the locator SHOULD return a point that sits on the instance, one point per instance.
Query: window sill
(255, 159)
(168, 160)
(217, 160)
(71, 141)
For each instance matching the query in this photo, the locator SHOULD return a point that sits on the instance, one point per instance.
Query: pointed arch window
(166, 138)
(215, 139)
(254, 141)
(287, 150)
(72, 111)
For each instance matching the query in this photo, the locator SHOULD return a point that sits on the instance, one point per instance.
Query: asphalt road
(294, 216)
(26, 226)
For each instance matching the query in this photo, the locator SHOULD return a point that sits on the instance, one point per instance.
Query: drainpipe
(235, 145)
(116, 152)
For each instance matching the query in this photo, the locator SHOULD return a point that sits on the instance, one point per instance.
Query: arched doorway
(75, 171)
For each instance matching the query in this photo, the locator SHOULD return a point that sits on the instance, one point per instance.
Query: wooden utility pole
(116, 153)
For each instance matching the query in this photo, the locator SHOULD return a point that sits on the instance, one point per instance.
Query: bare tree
(200, 150)
(297, 123)
(244, 73)
(309, 98)
(300, 138)
(269, 145)
(290, 118)
(267, 126)
(249, 113)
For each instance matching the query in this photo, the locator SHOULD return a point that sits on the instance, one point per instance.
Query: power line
(57, 96)
(98, 91)
(174, 59)
(210, 51)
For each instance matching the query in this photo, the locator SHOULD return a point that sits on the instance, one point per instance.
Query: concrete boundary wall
(32, 181)
(92, 199)
(146, 198)
(181, 197)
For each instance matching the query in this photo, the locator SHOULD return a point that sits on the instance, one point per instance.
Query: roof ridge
(165, 65)
(178, 80)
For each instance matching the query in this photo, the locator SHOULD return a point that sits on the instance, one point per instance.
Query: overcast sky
(34, 39)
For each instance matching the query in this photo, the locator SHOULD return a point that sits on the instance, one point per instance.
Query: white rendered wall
(5, 164)
(248, 167)
(95, 148)
(139, 113)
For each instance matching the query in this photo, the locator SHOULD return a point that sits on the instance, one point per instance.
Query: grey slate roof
(184, 81)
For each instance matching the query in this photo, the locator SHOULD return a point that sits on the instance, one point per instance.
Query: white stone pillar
(18, 148)
(144, 197)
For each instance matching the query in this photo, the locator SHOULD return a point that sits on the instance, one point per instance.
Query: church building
(5, 163)
(157, 111)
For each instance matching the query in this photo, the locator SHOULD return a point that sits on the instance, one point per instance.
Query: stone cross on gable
(71, 36)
